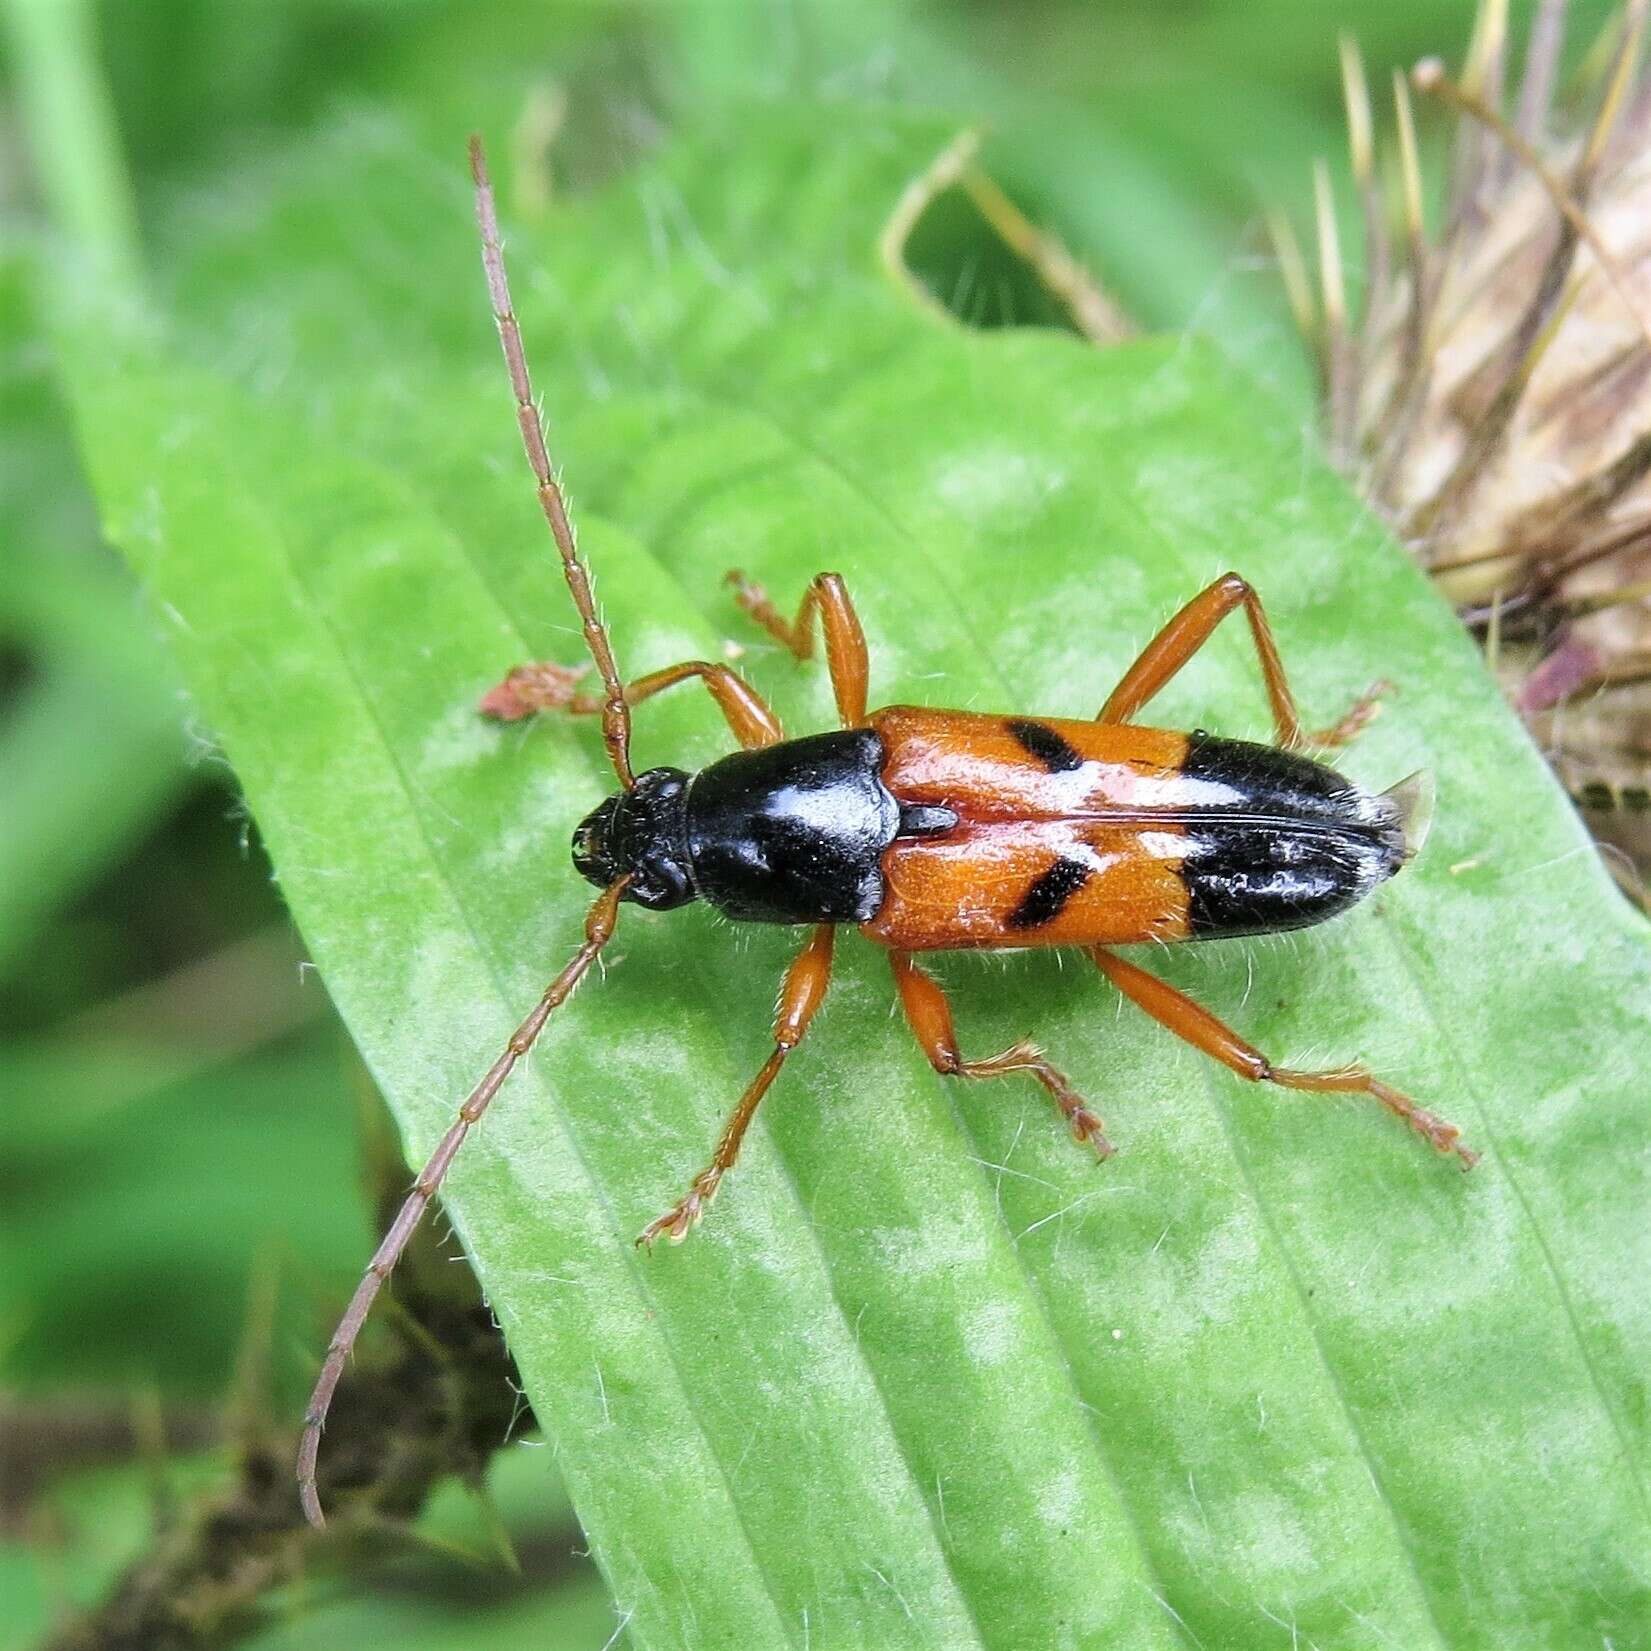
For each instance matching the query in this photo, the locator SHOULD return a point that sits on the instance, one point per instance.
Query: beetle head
(641, 834)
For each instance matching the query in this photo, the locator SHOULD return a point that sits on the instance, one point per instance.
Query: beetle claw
(683, 1216)
(1086, 1126)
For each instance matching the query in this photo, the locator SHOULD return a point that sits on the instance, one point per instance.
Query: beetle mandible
(936, 830)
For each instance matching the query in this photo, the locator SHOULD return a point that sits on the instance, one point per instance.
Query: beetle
(935, 830)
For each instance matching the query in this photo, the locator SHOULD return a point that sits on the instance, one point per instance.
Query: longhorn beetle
(932, 830)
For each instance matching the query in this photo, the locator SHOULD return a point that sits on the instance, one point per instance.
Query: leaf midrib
(1036, 1291)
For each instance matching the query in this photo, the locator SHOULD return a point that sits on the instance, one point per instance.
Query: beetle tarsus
(1359, 715)
(540, 686)
(801, 994)
(930, 1017)
(1088, 1129)
(1086, 1126)
(1442, 1135)
(681, 1219)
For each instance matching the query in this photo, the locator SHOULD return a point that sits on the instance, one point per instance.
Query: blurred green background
(179, 1193)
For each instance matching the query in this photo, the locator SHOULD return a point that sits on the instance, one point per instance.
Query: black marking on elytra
(1292, 844)
(926, 819)
(1045, 744)
(1046, 899)
(1263, 778)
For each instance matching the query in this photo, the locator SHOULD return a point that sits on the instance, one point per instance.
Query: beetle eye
(591, 858)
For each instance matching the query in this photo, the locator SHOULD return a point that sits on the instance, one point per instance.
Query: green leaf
(927, 1375)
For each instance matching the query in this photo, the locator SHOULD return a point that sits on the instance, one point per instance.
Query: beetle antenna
(599, 927)
(616, 716)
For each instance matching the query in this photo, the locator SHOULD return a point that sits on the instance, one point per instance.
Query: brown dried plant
(1488, 388)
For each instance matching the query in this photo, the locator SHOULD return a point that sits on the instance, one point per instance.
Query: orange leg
(547, 687)
(930, 1018)
(1190, 629)
(845, 642)
(1203, 1031)
(804, 988)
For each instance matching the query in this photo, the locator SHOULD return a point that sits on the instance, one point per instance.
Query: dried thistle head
(1491, 393)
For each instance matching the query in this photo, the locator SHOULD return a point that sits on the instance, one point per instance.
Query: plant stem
(72, 130)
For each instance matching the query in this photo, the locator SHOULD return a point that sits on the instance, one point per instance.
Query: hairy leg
(1202, 1030)
(1191, 628)
(845, 642)
(930, 1018)
(548, 687)
(804, 989)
